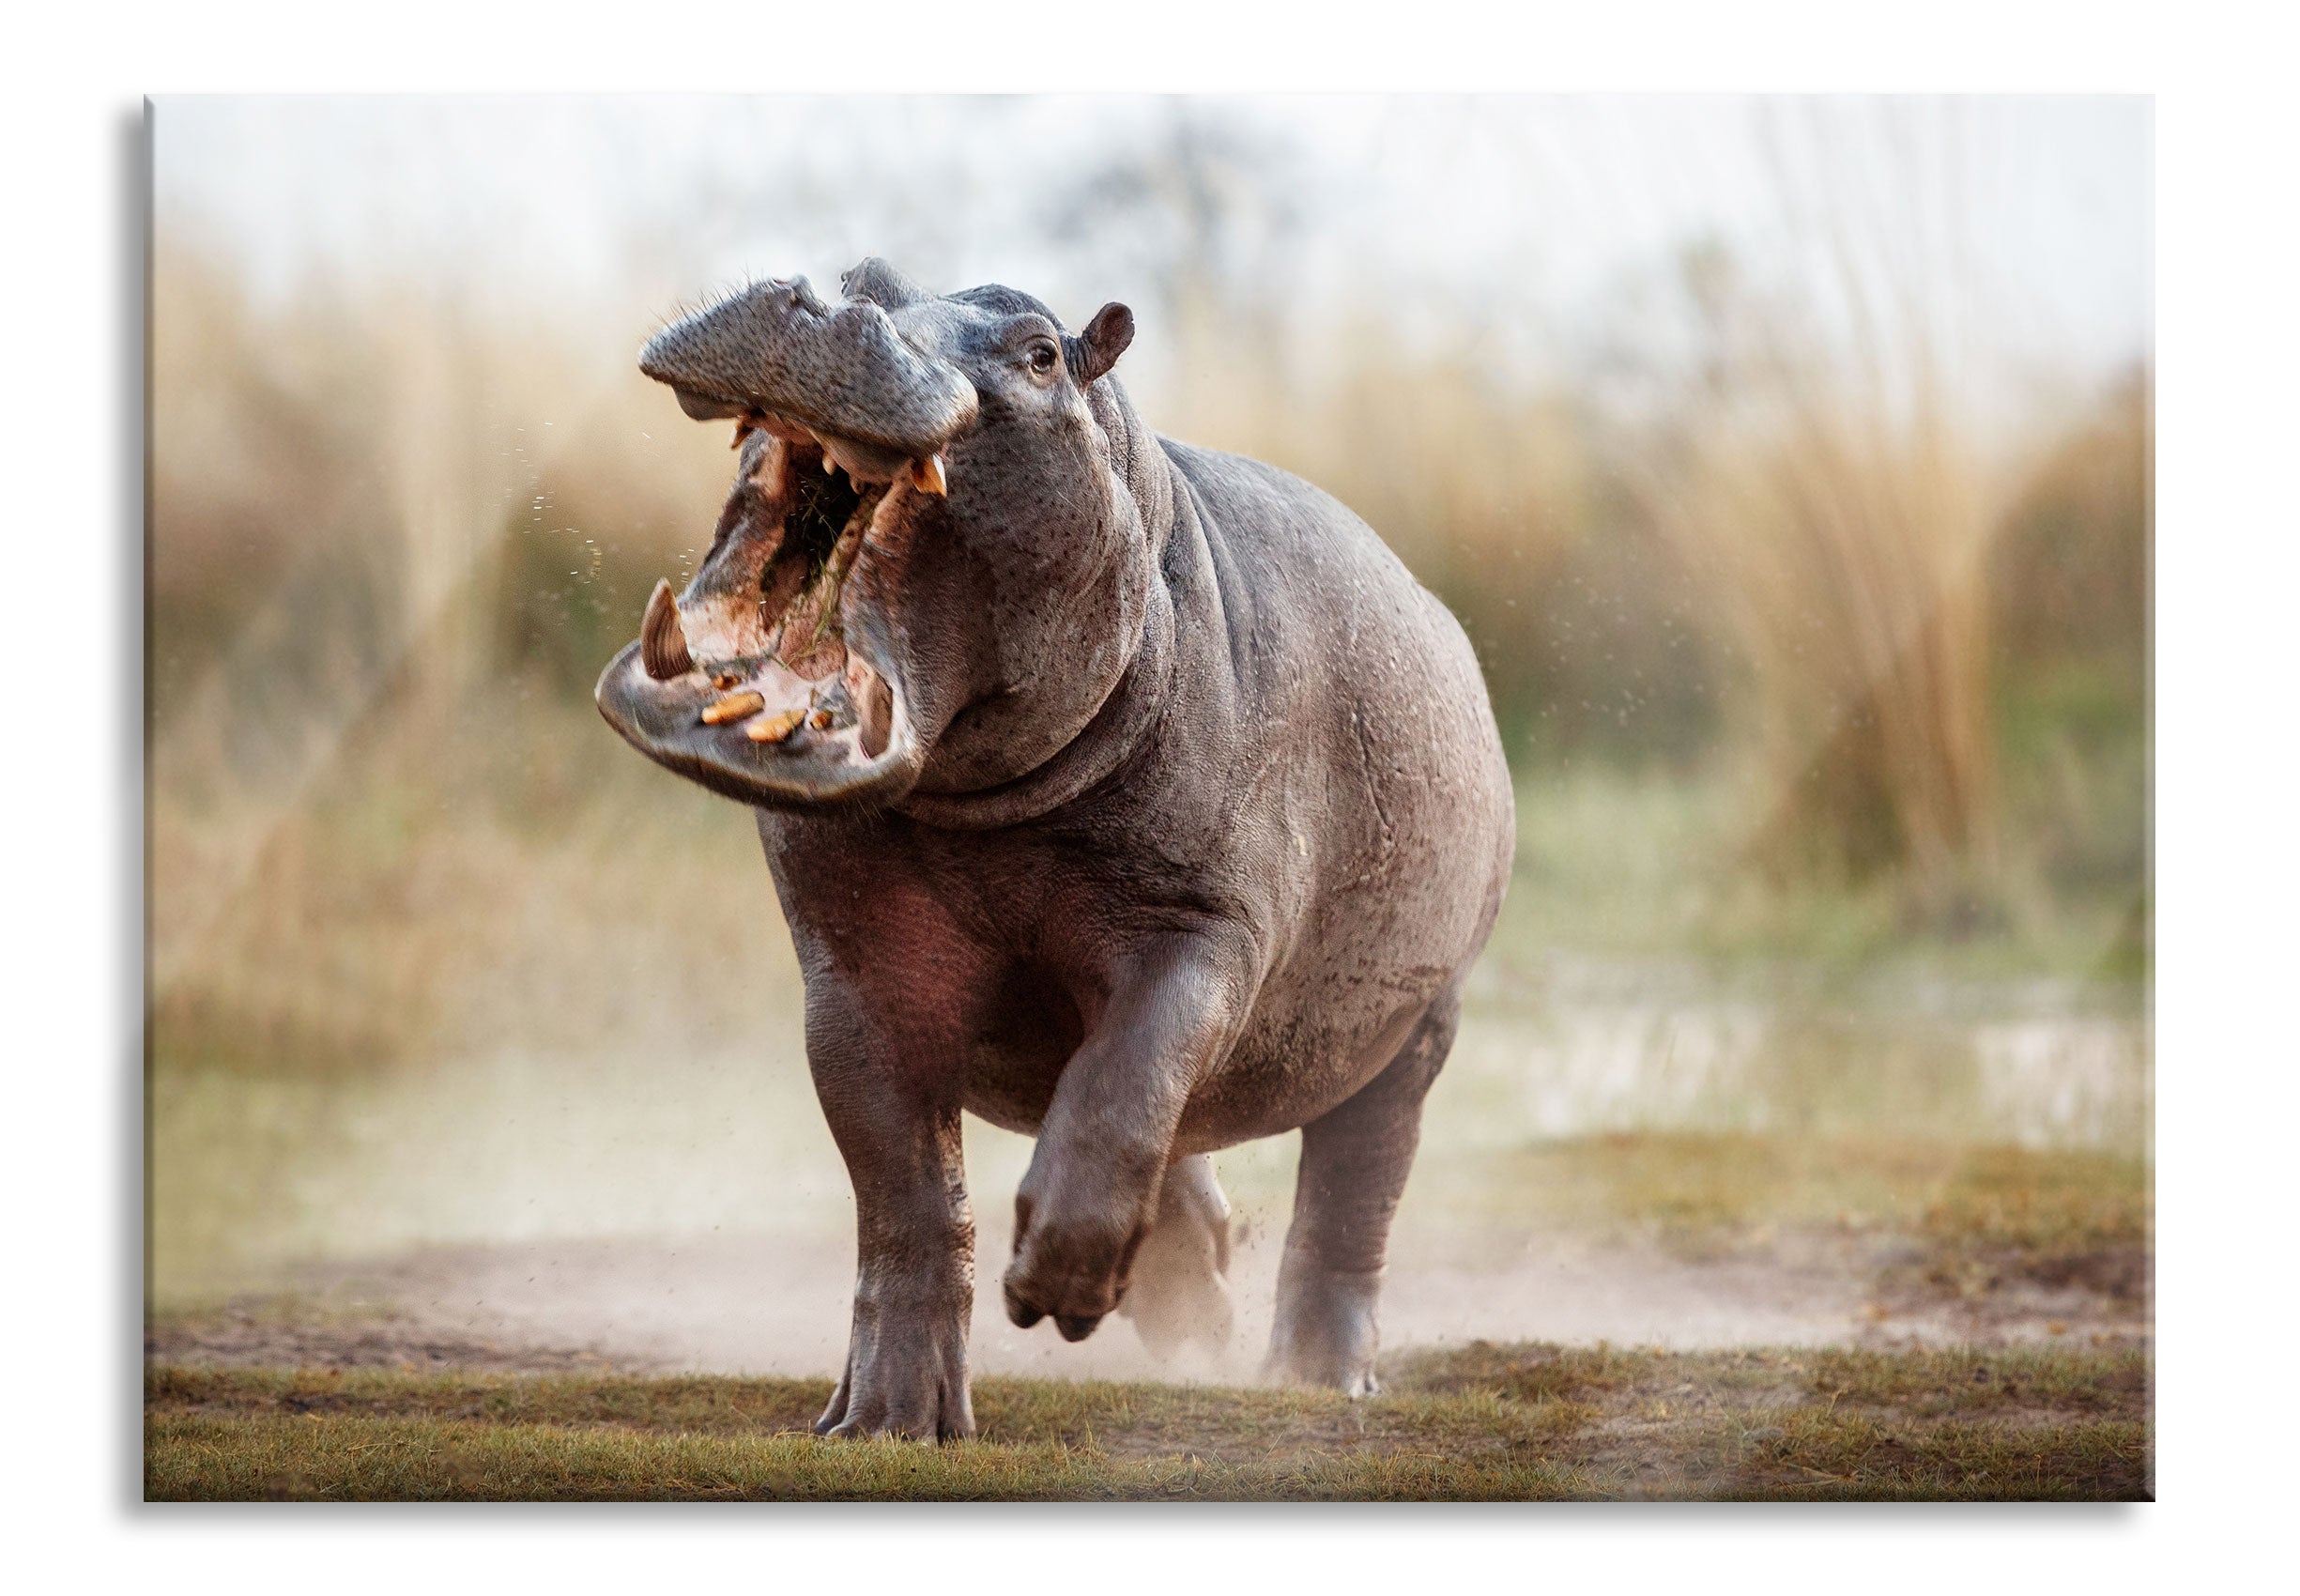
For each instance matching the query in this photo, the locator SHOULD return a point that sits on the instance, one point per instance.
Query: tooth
(663, 642)
(774, 728)
(743, 428)
(928, 475)
(874, 713)
(732, 707)
(829, 467)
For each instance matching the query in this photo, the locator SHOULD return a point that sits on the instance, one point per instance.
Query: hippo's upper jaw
(763, 682)
(841, 375)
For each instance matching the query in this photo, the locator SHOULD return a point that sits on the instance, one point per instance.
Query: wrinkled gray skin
(1143, 805)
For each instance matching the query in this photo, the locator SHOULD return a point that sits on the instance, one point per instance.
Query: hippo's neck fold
(1139, 696)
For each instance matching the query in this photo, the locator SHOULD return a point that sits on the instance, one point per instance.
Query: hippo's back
(1380, 767)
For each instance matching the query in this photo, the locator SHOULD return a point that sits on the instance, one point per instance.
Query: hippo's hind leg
(1179, 1293)
(1355, 1161)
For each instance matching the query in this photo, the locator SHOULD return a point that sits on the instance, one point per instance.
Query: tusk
(774, 728)
(927, 475)
(732, 707)
(874, 710)
(663, 642)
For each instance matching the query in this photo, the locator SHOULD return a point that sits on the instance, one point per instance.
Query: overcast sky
(1527, 215)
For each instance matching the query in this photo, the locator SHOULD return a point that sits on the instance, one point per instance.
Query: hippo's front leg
(896, 1126)
(1092, 1191)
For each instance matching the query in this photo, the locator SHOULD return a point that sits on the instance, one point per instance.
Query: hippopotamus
(1128, 794)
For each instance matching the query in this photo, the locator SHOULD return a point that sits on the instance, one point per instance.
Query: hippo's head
(929, 573)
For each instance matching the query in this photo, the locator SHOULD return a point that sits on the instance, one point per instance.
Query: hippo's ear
(881, 284)
(1098, 348)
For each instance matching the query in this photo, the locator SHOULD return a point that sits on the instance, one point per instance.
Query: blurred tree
(1207, 215)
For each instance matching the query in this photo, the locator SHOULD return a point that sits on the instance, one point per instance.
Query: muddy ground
(1629, 1317)
(777, 1305)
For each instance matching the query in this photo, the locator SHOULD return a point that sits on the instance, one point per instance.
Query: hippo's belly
(1404, 825)
(1366, 845)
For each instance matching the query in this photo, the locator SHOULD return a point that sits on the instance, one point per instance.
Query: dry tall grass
(2071, 575)
(1824, 474)
(1846, 554)
(358, 778)
(393, 545)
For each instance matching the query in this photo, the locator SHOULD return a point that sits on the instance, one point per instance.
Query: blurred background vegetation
(1812, 591)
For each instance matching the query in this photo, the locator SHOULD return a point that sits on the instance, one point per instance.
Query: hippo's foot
(1073, 1270)
(905, 1375)
(1327, 1332)
(1178, 1294)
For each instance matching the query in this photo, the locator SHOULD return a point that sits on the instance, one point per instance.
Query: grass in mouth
(1482, 1423)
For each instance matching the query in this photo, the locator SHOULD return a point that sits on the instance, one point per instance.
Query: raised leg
(1179, 1293)
(1097, 1175)
(1355, 1161)
(915, 1235)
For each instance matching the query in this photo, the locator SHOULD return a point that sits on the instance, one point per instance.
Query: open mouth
(751, 684)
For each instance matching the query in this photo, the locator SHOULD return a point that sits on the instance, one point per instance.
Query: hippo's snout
(842, 372)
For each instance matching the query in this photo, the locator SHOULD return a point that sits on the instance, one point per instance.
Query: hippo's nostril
(1076, 1326)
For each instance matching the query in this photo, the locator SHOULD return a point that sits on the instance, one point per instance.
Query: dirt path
(777, 1305)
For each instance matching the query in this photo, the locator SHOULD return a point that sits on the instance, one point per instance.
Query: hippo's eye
(1042, 357)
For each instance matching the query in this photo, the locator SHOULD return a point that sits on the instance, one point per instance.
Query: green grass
(2052, 1214)
(1650, 865)
(1483, 1423)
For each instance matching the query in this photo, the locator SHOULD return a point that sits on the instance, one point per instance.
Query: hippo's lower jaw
(803, 746)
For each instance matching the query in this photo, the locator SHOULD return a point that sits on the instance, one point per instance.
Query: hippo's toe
(1326, 1331)
(1021, 1312)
